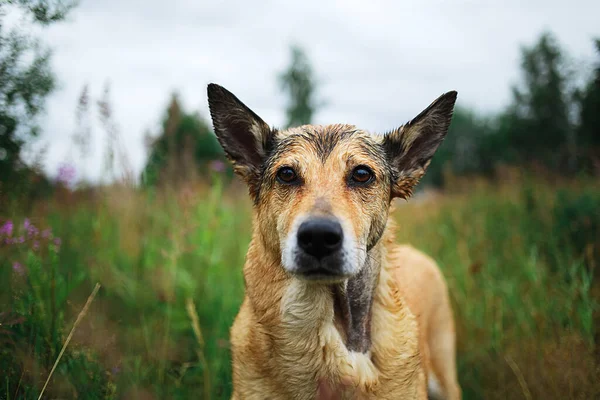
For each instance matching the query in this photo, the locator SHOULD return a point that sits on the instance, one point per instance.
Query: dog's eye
(286, 175)
(362, 174)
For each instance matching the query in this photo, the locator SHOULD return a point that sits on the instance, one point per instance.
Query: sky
(379, 63)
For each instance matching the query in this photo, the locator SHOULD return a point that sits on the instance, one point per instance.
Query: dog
(333, 307)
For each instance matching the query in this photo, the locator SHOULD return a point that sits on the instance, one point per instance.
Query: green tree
(299, 83)
(537, 125)
(185, 144)
(26, 79)
(589, 119)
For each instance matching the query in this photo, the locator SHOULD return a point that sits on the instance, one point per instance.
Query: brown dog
(333, 306)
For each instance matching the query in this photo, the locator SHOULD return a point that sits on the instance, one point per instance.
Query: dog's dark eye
(362, 174)
(287, 175)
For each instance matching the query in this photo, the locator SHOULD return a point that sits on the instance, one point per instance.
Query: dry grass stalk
(517, 371)
(79, 318)
(193, 314)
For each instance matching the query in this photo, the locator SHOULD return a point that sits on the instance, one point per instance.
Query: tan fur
(279, 356)
(426, 294)
(285, 338)
(289, 339)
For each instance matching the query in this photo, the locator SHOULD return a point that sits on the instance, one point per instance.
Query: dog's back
(424, 288)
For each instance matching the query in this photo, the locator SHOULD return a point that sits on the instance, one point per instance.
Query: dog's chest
(304, 348)
(304, 335)
(309, 347)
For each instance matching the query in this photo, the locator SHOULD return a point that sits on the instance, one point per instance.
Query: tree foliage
(44, 11)
(299, 83)
(589, 128)
(26, 79)
(185, 144)
(541, 124)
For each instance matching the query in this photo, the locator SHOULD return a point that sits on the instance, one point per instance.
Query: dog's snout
(320, 237)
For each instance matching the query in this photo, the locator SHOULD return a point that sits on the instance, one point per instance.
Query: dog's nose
(320, 237)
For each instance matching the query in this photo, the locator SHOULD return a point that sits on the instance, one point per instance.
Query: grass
(520, 261)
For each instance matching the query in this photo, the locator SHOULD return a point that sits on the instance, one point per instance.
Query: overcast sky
(379, 62)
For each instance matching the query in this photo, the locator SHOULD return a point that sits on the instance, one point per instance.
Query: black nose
(320, 237)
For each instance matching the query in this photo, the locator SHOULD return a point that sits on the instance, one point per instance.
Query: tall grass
(521, 285)
(521, 275)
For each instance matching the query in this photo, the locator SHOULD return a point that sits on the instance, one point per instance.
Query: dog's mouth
(321, 272)
(330, 270)
(323, 275)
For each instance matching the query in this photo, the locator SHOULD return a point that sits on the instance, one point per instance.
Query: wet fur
(386, 327)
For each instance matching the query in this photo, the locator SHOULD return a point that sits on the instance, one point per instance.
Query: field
(520, 260)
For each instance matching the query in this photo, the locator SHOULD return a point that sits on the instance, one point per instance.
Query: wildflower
(30, 228)
(46, 233)
(36, 245)
(217, 165)
(18, 268)
(21, 239)
(7, 228)
(9, 240)
(57, 242)
(66, 174)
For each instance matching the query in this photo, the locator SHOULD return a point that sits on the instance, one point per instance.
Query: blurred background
(110, 173)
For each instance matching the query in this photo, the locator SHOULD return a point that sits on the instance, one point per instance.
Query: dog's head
(322, 193)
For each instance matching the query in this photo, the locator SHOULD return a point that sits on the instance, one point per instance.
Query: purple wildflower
(46, 233)
(21, 239)
(7, 228)
(18, 268)
(36, 245)
(29, 227)
(66, 174)
(57, 241)
(217, 165)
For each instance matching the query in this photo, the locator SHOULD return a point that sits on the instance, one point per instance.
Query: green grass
(519, 261)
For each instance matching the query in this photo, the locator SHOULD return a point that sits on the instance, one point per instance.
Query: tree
(299, 83)
(589, 118)
(26, 79)
(185, 144)
(537, 125)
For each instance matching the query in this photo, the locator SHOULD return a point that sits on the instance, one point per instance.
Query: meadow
(520, 257)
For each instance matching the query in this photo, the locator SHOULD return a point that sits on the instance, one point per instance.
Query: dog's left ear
(411, 147)
(244, 136)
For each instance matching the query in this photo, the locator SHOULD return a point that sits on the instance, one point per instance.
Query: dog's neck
(353, 301)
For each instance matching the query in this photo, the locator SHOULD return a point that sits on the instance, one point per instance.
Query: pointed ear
(244, 136)
(410, 147)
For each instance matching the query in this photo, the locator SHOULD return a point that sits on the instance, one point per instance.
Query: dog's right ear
(244, 136)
